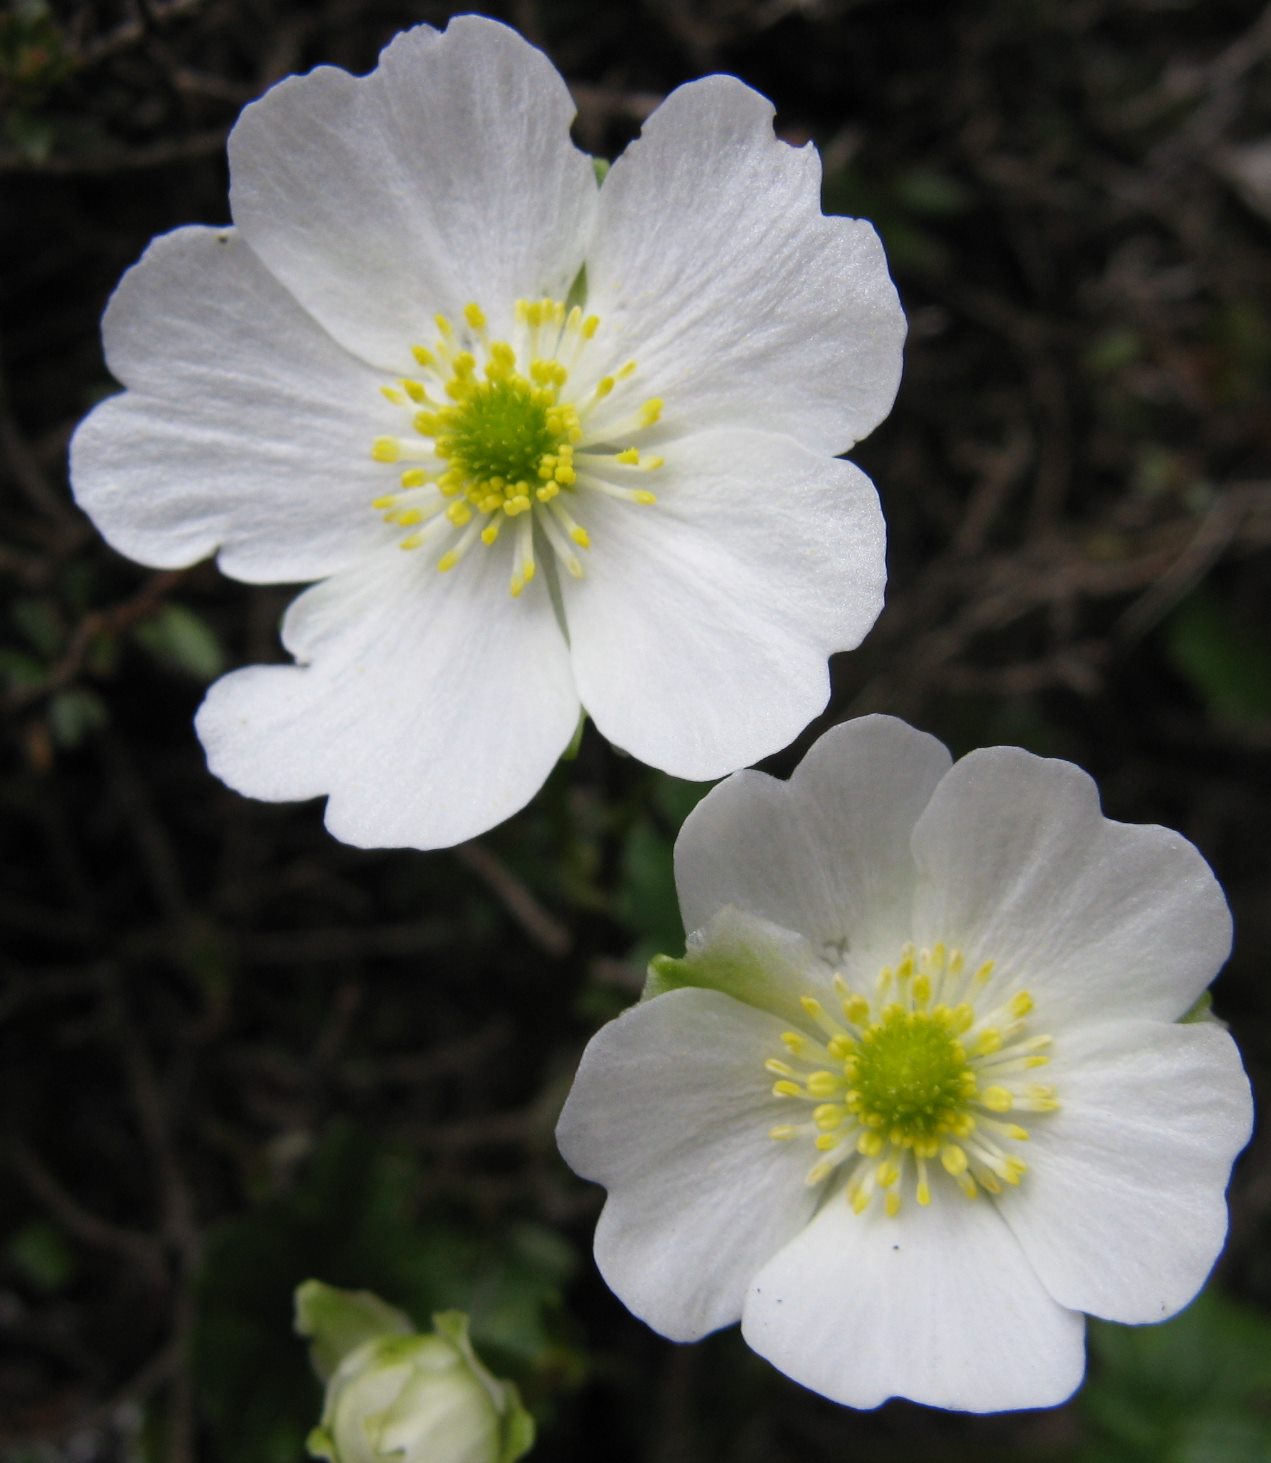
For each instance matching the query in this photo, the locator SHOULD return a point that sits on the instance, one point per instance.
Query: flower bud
(398, 1396)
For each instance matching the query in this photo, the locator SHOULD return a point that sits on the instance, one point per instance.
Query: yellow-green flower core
(915, 1074)
(497, 433)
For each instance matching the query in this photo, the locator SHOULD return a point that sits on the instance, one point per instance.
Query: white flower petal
(714, 267)
(432, 708)
(1106, 919)
(701, 629)
(246, 427)
(937, 1304)
(1122, 1212)
(670, 1110)
(826, 853)
(446, 176)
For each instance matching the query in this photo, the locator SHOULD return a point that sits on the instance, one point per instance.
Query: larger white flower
(918, 1095)
(608, 416)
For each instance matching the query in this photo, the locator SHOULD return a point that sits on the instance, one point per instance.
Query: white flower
(429, 330)
(396, 1396)
(986, 1116)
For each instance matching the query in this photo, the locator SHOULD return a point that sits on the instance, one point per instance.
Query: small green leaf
(179, 638)
(74, 713)
(40, 1252)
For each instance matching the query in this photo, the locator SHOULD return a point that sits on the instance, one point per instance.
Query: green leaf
(40, 1252)
(1226, 659)
(74, 713)
(179, 639)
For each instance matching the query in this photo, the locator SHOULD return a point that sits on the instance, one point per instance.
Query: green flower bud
(403, 1397)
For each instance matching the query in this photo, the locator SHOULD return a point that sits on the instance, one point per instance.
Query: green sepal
(746, 957)
(1202, 1010)
(602, 166)
(576, 741)
(518, 1429)
(320, 1444)
(339, 1321)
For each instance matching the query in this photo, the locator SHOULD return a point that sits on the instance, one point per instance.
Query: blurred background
(235, 1053)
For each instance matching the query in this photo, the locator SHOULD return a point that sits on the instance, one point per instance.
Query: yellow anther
(923, 1194)
(892, 1203)
(386, 449)
(922, 990)
(413, 542)
(824, 1084)
(411, 515)
(653, 463)
(651, 411)
(590, 326)
(794, 1041)
(474, 315)
(1021, 1004)
(579, 536)
(859, 1200)
(812, 1006)
(459, 514)
(447, 561)
(985, 970)
(779, 1068)
(886, 1173)
(629, 457)
(491, 531)
(626, 372)
(824, 1142)
(396, 396)
(646, 498)
(828, 1115)
(783, 1132)
(953, 1159)
(819, 1172)
(444, 327)
(988, 1041)
(603, 387)
(414, 477)
(415, 390)
(997, 1099)
(423, 356)
(870, 1144)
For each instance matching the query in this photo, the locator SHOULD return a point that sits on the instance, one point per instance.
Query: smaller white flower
(396, 1396)
(920, 1093)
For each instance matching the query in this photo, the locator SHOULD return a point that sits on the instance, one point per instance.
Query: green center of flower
(918, 1072)
(910, 1076)
(499, 432)
(504, 435)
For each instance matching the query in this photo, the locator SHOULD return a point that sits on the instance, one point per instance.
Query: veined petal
(826, 853)
(431, 707)
(1122, 1212)
(938, 1305)
(671, 1111)
(701, 629)
(246, 427)
(445, 176)
(1099, 919)
(714, 267)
